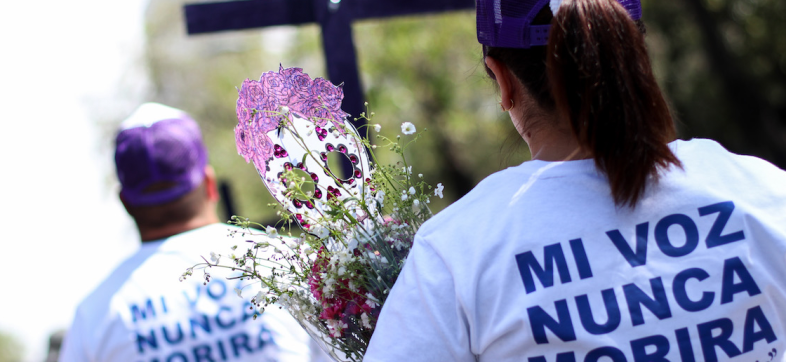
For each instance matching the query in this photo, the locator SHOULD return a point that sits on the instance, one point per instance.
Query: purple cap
(507, 23)
(159, 155)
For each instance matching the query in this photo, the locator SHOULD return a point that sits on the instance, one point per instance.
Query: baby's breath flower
(365, 321)
(407, 128)
(353, 243)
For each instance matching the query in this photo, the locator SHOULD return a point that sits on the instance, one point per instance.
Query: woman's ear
(504, 80)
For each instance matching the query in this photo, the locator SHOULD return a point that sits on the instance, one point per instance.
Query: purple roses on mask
(259, 108)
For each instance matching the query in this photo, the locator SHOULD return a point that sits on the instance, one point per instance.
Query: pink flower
(330, 94)
(243, 110)
(266, 122)
(276, 90)
(263, 151)
(244, 141)
(328, 97)
(252, 93)
(259, 102)
(299, 84)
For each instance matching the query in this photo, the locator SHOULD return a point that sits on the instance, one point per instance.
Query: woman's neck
(548, 143)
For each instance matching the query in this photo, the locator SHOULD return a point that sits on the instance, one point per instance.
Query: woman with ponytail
(617, 242)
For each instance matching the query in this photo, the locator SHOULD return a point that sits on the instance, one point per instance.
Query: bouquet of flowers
(358, 227)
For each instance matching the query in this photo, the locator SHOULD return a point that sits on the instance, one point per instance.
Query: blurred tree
(724, 66)
(10, 348)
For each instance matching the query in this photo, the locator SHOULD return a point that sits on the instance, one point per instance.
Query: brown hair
(596, 73)
(174, 212)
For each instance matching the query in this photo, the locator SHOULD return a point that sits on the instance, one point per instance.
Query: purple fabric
(507, 23)
(259, 109)
(159, 160)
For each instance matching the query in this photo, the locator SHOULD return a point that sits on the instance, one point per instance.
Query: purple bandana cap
(159, 155)
(508, 23)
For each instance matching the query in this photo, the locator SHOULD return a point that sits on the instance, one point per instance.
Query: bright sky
(62, 229)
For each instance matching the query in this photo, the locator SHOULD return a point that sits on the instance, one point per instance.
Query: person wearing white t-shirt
(142, 312)
(617, 242)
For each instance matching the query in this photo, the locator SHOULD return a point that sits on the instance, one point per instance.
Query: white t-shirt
(142, 313)
(537, 264)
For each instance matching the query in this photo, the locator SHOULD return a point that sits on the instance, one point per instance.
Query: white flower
(416, 203)
(377, 127)
(284, 300)
(438, 191)
(371, 301)
(271, 231)
(404, 197)
(353, 244)
(420, 175)
(238, 291)
(284, 109)
(407, 128)
(320, 231)
(364, 320)
(213, 257)
(335, 327)
(411, 190)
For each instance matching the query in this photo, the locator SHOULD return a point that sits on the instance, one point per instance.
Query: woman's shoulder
(504, 192)
(486, 193)
(705, 156)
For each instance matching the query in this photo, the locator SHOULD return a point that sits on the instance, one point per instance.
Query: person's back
(142, 312)
(616, 242)
(537, 263)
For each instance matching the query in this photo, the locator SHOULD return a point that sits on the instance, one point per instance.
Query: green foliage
(10, 349)
(723, 65)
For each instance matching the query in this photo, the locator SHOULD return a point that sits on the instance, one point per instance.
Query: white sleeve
(422, 320)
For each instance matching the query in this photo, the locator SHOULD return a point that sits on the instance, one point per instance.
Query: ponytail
(601, 81)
